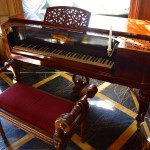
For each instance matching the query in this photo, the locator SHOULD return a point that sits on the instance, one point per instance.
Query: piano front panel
(146, 76)
(132, 60)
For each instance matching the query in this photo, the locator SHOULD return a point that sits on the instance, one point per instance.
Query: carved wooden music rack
(67, 17)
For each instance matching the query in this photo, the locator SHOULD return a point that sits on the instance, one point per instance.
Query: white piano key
(87, 59)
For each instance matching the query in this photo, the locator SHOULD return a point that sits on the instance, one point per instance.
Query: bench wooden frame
(65, 126)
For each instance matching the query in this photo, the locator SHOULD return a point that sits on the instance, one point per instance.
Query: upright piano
(29, 40)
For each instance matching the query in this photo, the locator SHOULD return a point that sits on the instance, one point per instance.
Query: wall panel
(140, 9)
(4, 8)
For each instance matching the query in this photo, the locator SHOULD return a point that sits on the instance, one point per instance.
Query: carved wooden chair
(50, 118)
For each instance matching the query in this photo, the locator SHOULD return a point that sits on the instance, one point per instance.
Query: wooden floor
(110, 122)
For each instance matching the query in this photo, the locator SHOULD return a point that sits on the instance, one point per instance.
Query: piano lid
(77, 41)
(100, 23)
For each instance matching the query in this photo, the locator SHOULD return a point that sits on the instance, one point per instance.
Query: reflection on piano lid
(79, 47)
(79, 41)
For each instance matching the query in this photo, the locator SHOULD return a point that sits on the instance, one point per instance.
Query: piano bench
(49, 118)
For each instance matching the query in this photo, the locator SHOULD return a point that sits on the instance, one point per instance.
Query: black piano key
(103, 61)
(66, 52)
(76, 55)
(50, 50)
(35, 47)
(29, 46)
(92, 58)
(46, 49)
(32, 46)
(111, 62)
(80, 55)
(19, 43)
(53, 51)
(62, 52)
(41, 48)
(108, 62)
(38, 47)
(96, 59)
(57, 52)
(25, 44)
(86, 56)
(71, 54)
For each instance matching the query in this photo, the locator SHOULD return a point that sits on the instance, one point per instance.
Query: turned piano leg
(143, 105)
(14, 67)
(80, 82)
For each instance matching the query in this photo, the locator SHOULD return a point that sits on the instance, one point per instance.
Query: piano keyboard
(66, 54)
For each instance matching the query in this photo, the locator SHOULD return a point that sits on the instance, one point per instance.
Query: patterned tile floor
(110, 121)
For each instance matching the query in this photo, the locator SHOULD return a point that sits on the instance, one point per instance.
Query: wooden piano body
(129, 65)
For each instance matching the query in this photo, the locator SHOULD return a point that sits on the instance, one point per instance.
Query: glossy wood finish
(139, 9)
(134, 9)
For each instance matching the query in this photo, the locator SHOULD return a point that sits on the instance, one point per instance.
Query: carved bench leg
(82, 130)
(80, 82)
(1, 129)
(58, 137)
(143, 105)
(3, 135)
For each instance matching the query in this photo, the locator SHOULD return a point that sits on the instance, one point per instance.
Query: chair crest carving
(70, 17)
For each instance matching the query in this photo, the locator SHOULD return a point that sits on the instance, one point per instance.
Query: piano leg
(80, 82)
(143, 105)
(14, 67)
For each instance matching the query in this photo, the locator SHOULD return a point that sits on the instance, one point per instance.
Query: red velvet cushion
(34, 106)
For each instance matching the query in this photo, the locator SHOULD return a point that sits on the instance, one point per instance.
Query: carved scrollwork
(64, 16)
(80, 81)
(58, 135)
(63, 123)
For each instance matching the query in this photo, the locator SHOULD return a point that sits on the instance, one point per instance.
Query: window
(105, 7)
